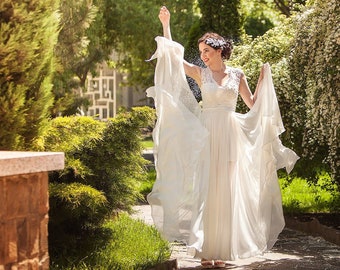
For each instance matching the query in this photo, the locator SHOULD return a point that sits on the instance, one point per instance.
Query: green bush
(76, 206)
(314, 64)
(103, 172)
(75, 210)
(117, 166)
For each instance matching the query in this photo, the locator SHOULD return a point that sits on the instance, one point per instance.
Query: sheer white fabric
(216, 187)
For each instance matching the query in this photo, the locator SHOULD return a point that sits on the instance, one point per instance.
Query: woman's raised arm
(191, 70)
(164, 17)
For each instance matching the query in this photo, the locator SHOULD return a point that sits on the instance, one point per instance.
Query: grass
(147, 143)
(302, 196)
(134, 245)
(130, 244)
(146, 186)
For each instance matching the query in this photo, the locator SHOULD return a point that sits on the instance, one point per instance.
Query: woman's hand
(164, 17)
(263, 68)
(259, 82)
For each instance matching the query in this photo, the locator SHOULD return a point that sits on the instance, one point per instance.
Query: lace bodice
(215, 95)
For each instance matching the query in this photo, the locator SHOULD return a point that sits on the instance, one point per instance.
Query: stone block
(2, 198)
(11, 245)
(24, 208)
(45, 262)
(17, 206)
(43, 193)
(34, 235)
(33, 187)
(3, 243)
(22, 232)
(23, 265)
(44, 235)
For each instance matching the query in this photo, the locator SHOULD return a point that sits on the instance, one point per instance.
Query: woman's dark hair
(218, 42)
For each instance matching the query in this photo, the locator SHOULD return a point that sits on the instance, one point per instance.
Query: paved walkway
(293, 250)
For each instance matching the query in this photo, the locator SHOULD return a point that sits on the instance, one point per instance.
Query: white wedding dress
(216, 187)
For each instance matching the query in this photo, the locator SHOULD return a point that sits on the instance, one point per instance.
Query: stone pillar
(24, 208)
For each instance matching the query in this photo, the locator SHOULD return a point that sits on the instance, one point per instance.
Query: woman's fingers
(164, 14)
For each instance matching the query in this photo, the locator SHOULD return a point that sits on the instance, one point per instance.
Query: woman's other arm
(248, 98)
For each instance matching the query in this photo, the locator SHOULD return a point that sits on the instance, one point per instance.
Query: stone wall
(24, 212)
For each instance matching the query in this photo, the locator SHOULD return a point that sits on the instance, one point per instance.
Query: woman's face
(208, 54)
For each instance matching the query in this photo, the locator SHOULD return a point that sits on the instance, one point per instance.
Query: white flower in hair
(214, 42)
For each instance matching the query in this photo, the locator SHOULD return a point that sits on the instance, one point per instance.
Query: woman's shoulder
(236, 71)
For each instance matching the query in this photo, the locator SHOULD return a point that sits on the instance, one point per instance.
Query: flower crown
(215, 43)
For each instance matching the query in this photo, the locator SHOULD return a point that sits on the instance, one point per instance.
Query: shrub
(74, 209)
(146, 186)
(116, 162)
(104, 169)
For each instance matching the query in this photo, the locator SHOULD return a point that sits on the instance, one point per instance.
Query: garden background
(47, 49)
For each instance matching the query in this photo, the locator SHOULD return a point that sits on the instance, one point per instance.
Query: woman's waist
(219, 107)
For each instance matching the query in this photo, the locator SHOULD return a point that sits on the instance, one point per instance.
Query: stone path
(293, 250)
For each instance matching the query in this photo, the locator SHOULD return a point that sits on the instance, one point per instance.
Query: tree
(304, 55)
(92, 30)
(74, 55)
(28, 33)
(287, 6)
(259, 17)
(222, 17)
(136, 24)
(314, 64)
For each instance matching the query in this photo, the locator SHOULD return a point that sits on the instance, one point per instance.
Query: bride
(216, 187)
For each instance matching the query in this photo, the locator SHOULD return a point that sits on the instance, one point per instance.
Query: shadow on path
(293, 250)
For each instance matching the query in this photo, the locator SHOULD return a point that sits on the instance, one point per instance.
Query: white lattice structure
(107, 93)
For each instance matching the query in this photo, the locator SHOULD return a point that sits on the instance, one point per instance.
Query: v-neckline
(224, 80)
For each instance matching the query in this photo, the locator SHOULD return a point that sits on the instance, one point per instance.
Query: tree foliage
(28, 33)
(304, 55)
(259, 17)
(80, 26)
(314, 63)
(287, 6)
(222, 17)
(136, 25)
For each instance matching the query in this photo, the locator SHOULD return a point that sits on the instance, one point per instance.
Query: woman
(216, 186)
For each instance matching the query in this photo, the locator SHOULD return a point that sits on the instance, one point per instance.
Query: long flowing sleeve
(179, 139)
(262, 126)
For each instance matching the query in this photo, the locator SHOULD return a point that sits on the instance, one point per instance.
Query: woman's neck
(218, 67)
